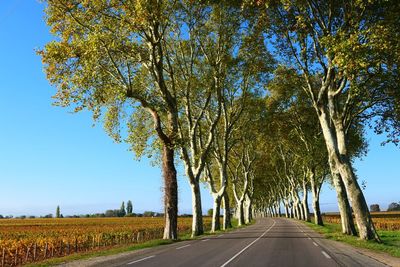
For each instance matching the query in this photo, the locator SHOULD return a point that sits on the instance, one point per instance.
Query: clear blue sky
(49, 157)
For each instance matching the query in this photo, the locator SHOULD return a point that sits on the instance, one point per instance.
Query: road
(268, 242)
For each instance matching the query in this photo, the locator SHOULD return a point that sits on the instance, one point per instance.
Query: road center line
(326, 254)
(149, 257)
(183, 246)
(315, 244)
(246, 247)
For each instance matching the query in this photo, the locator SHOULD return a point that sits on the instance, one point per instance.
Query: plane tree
(109, 57)
(349, 70)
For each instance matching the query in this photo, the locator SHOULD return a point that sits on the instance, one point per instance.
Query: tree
(209, 212)
(58, 214)
(374, 208)
(129, 207)
(350, 76)
(111, 58)
(122, 211)
(394, 207)
(112, 213)
(149, 214)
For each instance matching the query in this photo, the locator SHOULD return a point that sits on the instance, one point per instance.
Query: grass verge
(127, 248)
(390, 239)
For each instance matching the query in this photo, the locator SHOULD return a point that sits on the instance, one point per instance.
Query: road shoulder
(348, 255)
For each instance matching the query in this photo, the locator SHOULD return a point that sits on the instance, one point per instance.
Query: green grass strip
(390, 239)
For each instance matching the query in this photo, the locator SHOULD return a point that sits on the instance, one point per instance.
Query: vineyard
(30, 240)
(385, 221)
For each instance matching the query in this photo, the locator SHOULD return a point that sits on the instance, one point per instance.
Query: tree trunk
(227, 211)
(331, 120)
(278, 207)
(197, 222)
(215, 224)
(335, 141)
(170, 194)
(364, 222)
(240, 213)
(286, 210)
(300, 208)
(317, 212)
(346, 215)
(248, 216)
(315, 195)
(305, 202)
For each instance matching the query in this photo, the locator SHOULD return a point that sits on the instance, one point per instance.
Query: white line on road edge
(183, 246)
(326, 254)
(309, 237)
(149, 257)
(315, 244)
(204, 240)
(240, 252)
(219, 235)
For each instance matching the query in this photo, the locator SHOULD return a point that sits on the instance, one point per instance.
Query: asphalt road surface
(268, 242)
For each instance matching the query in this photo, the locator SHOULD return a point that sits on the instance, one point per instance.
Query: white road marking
(149, 257)
(309, 238)
(240, 252)
(326, 254)
(183, 246)
(219, 235)
(315, 244)
(204, 240)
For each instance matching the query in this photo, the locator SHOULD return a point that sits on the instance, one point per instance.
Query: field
(30, 240)
(386, 221)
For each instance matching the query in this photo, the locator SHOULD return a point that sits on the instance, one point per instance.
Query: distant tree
(129, 207)
(122, 211)
(58, 212)
(394, 206)
(111, 213)
(374, 207)
(48, 216)
(210, 212)
(1, 216)
(148, 214)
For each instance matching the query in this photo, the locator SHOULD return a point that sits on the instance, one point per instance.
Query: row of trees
(262, 100)
(392, 207)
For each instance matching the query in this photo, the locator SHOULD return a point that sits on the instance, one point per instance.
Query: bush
(394, 206)
(374, 208)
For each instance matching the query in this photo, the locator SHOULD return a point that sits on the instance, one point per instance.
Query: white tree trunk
(337, 149)
(315, 189)
(197, 221)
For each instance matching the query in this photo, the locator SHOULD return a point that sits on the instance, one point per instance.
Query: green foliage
(394, 206)
(209, 212)
(129, 207)
(58, 213)
(122, 211)
(374, 208)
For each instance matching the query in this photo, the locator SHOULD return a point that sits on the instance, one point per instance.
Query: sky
(50, 157)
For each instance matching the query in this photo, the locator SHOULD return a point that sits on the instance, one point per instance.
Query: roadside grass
(390, 239)
(132, 247)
